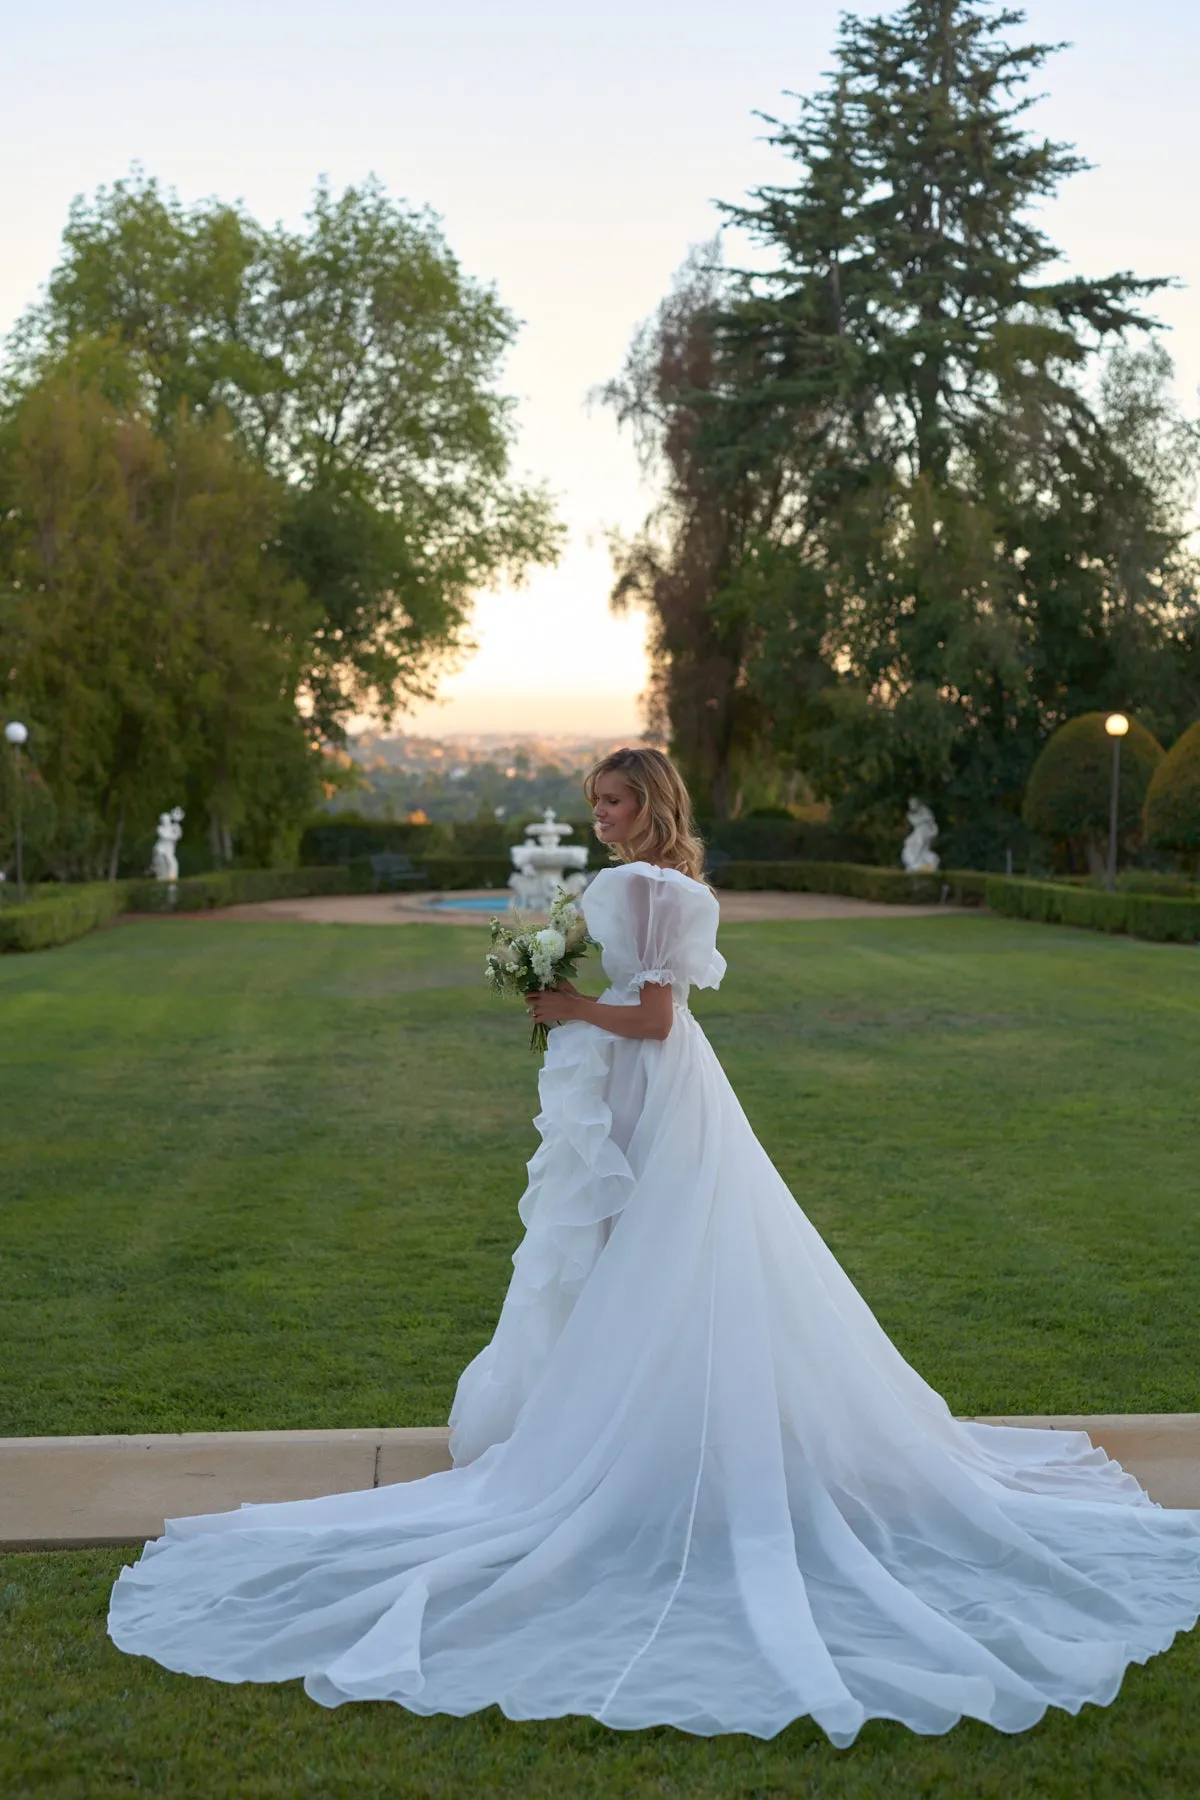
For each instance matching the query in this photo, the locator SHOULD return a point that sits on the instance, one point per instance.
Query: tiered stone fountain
(541, 864)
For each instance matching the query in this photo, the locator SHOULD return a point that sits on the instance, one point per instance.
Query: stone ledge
(73, 1493)
(1161, 1449)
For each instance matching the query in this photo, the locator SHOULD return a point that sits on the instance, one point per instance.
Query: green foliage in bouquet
(530, 960)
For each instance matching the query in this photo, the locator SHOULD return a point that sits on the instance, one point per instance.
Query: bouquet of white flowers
(527, 960)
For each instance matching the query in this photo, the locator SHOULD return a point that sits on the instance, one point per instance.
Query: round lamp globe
(1116, 725)
(15, 732)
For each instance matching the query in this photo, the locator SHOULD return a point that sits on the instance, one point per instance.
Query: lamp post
(1116, 726)
(16, 733)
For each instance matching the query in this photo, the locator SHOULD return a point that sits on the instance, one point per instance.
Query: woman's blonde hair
(664, 831)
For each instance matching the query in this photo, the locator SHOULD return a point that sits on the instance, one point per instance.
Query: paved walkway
(69, 1493)
(409, 909)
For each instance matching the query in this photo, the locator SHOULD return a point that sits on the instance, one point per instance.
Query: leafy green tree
(359, 365)
(153, 639)
(1171, 816)
(1069, 797)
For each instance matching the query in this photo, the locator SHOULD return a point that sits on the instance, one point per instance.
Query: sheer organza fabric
(696, 1484)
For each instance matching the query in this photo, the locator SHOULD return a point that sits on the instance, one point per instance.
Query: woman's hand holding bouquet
(537, 964)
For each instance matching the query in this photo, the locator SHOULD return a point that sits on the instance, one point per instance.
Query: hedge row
(456, 872)
(449, 872)
(859, 881)
(41, 923)
(58, 917)
(346, 838)
(782, 840)
(1140, 915)
(233, 887)
(59, 914)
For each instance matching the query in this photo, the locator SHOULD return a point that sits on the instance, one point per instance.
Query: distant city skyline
(574, 155)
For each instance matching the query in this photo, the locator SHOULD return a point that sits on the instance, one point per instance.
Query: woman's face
(615, 809)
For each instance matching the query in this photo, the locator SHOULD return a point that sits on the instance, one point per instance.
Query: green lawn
(266, 1176)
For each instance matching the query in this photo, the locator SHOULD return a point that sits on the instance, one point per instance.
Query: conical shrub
(1171, 815)
(1069, 792)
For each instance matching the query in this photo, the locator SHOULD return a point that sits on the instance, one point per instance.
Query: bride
(695, 1484)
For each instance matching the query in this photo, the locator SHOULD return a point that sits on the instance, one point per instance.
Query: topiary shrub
(1069, 792)
(1171, 815)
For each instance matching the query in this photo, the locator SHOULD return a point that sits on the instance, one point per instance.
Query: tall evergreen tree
(966, 541)
(981, 554)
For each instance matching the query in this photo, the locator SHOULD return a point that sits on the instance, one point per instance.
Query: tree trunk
(1097, 856)
(220, 839)
(114, 856)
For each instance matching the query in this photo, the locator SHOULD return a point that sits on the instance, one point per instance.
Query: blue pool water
(474, 903)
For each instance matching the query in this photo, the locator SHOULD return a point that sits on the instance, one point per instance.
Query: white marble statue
(540, 864)
(164, 864)
(918, 854)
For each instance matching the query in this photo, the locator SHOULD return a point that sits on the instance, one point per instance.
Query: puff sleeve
(654, 925)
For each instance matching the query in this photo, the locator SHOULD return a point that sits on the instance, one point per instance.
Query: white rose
(552, 944)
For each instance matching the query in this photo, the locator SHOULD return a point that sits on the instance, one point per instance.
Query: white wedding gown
(695, 1483)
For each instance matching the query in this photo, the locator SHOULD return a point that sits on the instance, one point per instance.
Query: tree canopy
(155, 639)
(333, 389)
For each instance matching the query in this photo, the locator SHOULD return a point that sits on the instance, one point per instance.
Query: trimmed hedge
(454, 872)
(58, 915)
(1144, 881)
(1069, 792)
(40, 924)
(338, 840)
(449, 872)
(1140, 915)
(858, 881)
(782, 840)
(61, 913)
(962, 887)
(1171, 816)
(234, 887)
(344, 839)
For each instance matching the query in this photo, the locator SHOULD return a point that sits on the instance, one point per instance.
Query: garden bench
(388, 869)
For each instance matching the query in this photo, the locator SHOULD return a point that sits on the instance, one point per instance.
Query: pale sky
(573, 153)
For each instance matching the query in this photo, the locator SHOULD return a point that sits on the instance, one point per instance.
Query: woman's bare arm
(650, 1018)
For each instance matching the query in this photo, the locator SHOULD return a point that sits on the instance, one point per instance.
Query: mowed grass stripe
(266, 1175)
